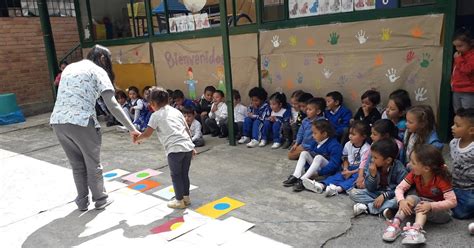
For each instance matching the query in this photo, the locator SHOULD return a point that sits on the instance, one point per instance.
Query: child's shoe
(313, 185)
(253, 143)
(413, 235)
(262, 143)
(286, 144)
(276, 145)
(292, 180)
(471, 228)
(176, 204)
(360, 208)
(101, 205)
(298, 187)
(331, 190)
(243, 140)
(391, 232)
(187, 200)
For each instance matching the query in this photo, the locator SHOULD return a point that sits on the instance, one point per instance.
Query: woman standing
(75, 122)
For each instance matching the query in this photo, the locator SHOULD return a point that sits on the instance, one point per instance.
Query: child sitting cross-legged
(324, 156)
(383, 175)
(356, 148)
(339, 115)
(433, 200)
(194, 126)
(217, 121)
(279, 118)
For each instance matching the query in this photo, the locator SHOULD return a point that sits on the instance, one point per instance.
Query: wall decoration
(361, 37)
(420, 94)
(410, 56)
(386, 4)
(425, 60)
(364, 4)
(416, 32)
(392, 75)
(347, 5)
(333, 38)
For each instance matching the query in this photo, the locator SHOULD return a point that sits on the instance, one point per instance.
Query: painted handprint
(314, 7)
(336, 6)
(299, 78)
(320, 58)
(293, 40)
(283, 63)
(327, 73)
(276, 41)
(360, 76)
(333, 38)
(278, 77)
(307, 60)
(360, 4)
(361, 37)
(342, 81)
(410, 56)
(310, 41)
(378, 60)
(426, 60)
(412, 78)
(290, 84)
(420, 94)
(386, 34)
(317, 84)
(416, 32)
(392, 75)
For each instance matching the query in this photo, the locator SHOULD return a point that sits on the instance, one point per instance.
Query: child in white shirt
(217, 121)
(240, 112)
(194, 126)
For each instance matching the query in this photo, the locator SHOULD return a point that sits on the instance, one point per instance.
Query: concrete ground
(37, 190)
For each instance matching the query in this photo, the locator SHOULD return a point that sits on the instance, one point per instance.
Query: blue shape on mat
(222, 206)
(112, 174)
(139, 186)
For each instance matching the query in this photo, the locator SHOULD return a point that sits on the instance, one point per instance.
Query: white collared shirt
(322, 142)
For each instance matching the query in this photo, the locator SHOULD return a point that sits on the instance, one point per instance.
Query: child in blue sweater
(339, 116)
(278, 118)
(180, 102)
(304, 139)
(257, 113)
(354, 150)
(324, 157)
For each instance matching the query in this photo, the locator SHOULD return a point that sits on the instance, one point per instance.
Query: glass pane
(245, 12)
(114, 19)
(273, 10)
(87, 29)
(407, 3)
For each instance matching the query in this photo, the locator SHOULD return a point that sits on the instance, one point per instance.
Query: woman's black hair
(64, 62)
(102, 57)
(146, 88)
(279, 98)
(133, 88)
(188, 110)
(386, 126)
(324, 126)
(159, 96)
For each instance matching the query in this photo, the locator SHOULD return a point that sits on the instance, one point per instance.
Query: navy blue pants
(252, 128)
(339, 180)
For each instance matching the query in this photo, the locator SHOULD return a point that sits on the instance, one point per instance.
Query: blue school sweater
(332, 151)
(282, 118)
(304, 136)
(260, 113)
(340, 120)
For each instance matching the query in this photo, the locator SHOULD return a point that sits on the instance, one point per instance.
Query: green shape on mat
(143, 174)
(8, 103)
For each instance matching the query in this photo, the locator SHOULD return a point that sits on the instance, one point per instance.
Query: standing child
(382, 129)
(144, 114)
(420, 129)
(256, 114)
(462, 79)
(278, 119)
(383, 175)
(194, 127)
(369, 113)
(433, 200)
(180, 102)
(173, 133)
(240, 111)
(356, 148)
(462, 154)
(204, 107)
(324, 157)
(304, 139)
(217, 121)
(337, 114)
(399, 102)
(296, 116)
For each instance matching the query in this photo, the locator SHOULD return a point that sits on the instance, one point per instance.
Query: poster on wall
(354, 57)
(364, 4)
(347, 6)
(386, 4)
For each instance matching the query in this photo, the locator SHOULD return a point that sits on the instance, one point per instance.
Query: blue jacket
(432, 140)
(332, 151)
(187, 103)
(282, 119)
(304, 136)
(340, 120)
(260, 113)
(396, 174)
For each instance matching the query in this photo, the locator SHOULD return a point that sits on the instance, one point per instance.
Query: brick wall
(23, 63)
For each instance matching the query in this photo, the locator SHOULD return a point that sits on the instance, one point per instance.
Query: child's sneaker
(276, 145)
(101, 205)
(292, 180)
(253, 143)
(331, 190)
(187, 200)
(360, 208)
(391, 232)
(262, 143)
(176, 204)
(243, 140)
(298, 187)
(413, 235)
(313, 185)
(471, 228)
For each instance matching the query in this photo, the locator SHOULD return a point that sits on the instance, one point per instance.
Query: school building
(282, 45)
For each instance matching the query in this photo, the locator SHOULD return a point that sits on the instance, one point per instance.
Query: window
(244, 13)
(59, 8)
(273, 10)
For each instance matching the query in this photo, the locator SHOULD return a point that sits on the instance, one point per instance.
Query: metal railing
(29, 8)
(73, 55)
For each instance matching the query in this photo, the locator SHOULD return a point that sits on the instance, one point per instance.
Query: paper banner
(144, 185)
(141, 175)
(110, 175)
(168, 192)
(219, 207)
(219, 232)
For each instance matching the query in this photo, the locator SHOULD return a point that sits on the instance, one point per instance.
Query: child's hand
(249, 114)
(423, 207)
(194, 153)
(405, 207)
(360, 183)
(214, 108)
(134, 135)
(379, 201)
(293, 148)
(272, 118)
(457, 54)
(373, 169)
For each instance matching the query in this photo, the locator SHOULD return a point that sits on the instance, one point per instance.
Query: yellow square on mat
(220, 207)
